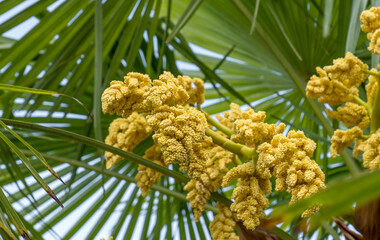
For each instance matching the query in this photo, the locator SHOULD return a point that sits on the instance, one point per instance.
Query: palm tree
(257, 53)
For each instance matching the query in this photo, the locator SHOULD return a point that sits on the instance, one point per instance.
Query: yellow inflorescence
(216, 166)
(337, 83)
(348, 70)
(180, 138)
(249, 126)
(250, 202)
(179, 131)
(351, 114)
(197, 196)
(125, 134)
(223, 225)
(342, 139)
(371, 88)
(249, 194)
(121, 97)
(139, 93)
(371, 151)
(147, 176)
(243, 170)
(371, 24)
(293, 169)
(328, 91)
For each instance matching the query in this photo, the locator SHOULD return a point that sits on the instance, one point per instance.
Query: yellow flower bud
(372, 88)
(197, 196)
(351, 114)
(147, 176)
(223, 225)
(337, 83)
(370, 24)
(139, 93)
(342, 139)
(292, 167)
(371, 151)
(348, 70)
(180, 131)
(328, 91)
(250, 127)
(125, 134)
(250, 202)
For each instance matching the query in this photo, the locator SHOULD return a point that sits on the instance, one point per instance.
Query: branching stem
(218, 125)
(239, 149)
(359, 101)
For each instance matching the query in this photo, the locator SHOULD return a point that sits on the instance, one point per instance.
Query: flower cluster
(371, 151)
(126, 134)
(337, 83)
(218, 160)
(147, 176)
(249, 194)
(139, 94)
(223, 225)
(197, 196)
(250, 127)
(351, 114)
(371, 25)
(183, 136)
(342, 139)
(293, 169)
(179, 131)
(346, 75)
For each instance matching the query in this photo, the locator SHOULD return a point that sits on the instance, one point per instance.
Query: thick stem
(375, 117)
(218, 125)
(239, 149)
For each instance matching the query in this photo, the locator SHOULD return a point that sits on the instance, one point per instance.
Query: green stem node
(239, 149)
(218, 125)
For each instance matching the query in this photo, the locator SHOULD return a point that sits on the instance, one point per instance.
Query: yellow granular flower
(216, 166)
(172, 91)
(110, 238)
(249, 194)
(197, 196)
(249, 202)
(179, 131)
(329, 91)
(304, 178)
(223, 225)
(374, 45)
(121, 97)
(197, 94)
(242, 170)
(147, 176)
(292, 167)
(125, 134)
(371, 151)
(342, 139)
(250, 127)
(351, 114)
(370, 19)
(372, 88)
(347, 70)
(370, 24)
(139, 93)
